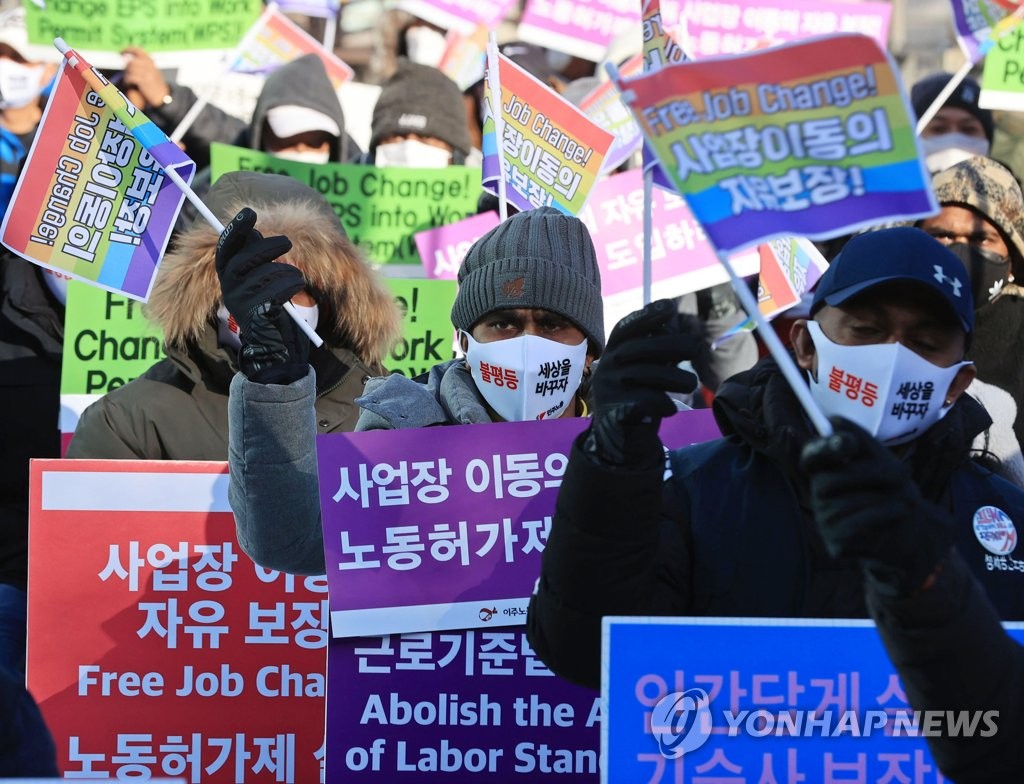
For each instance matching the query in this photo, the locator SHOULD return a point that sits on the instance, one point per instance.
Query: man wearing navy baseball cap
(771, 520)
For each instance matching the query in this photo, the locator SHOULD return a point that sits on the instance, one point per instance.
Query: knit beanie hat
(540, 258)
(965, 96)
(422, 100)
(989, 188)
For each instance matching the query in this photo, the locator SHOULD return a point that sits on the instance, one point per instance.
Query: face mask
(941, 152)
(305, 156)
(412, 154)
(527, 377)
(424, 45)
(19, 84)
(886, 388)
(309, 313)
(987, 271)
(557, 60)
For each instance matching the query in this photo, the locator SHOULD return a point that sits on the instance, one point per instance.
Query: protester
(419, 120)
(26, 745)
(178, 409)
(960, 129)
(529, 293)
(982, 221)
(728, 533)
(24, 86)
(939, 628)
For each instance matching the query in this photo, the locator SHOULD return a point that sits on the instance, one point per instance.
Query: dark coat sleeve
(610, 551)
(952, 653)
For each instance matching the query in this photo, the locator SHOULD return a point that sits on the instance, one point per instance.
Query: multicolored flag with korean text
(604, 106)
(94, 199)
(811, 138)
(275, 40)
(659, 49)
(980, 23)
(551, 153)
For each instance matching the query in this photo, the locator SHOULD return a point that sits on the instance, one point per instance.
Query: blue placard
(759, 700)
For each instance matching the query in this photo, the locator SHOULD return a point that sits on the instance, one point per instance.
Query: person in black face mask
(982, 222)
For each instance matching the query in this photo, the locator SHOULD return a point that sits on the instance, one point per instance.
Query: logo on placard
(681, 722)
(486, 613)
(995, 530)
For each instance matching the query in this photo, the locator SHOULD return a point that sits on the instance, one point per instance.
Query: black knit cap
(422, 100)
(540, 258)
(965, 96)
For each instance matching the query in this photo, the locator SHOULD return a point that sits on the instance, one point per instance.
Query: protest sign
(107, 343)
(455, 706)
(443, 249)
(583, 28)
(551, 152)
(154, 25)
(790, 266)
(682, 258)
(1002, 81)
(381, 209)
(442, 528)
(464, 56)
(462, 16)
(812, 139)
(427, 331)
(91, 200)
(604, 106)
(733, 26)
(275, 40)
(691, 699)
(156, 648)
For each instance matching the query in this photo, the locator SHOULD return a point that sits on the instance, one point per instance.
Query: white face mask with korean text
(527, 377)
(885, 388)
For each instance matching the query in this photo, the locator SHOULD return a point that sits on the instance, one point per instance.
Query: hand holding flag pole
(782, 358)
(150, 137)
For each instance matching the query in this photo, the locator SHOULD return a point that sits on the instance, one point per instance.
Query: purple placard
(583, 28)
(682, 260)
(386, 697)
(732, 26)
(460, 15)
(442, 249)
(442, 528)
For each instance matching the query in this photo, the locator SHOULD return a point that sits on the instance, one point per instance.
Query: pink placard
(443, 248)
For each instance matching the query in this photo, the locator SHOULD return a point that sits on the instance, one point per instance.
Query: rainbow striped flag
(94, 199)
(811, 138)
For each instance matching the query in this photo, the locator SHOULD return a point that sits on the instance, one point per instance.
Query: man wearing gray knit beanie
(530, 320)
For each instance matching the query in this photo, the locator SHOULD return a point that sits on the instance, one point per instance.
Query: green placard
(155, 25)
(1002, 82)
(427, 331)
(107, 341)
(381, 209)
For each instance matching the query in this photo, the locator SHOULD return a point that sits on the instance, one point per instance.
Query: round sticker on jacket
(995, 530)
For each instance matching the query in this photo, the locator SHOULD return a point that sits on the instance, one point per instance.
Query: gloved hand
(637, 369)
(255, 287)
(868, 507)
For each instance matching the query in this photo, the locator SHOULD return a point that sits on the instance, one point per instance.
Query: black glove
(868, 507)
(255, 288)
(637, 369)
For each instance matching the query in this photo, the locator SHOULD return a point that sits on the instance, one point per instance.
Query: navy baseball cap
(902, 253)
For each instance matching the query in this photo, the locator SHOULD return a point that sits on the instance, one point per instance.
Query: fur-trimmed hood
(356, 310)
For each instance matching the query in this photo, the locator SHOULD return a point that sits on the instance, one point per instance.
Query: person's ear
(803, 345)
(463, 342)
(959, 384)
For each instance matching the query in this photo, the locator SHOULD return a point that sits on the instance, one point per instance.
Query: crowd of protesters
(871, 520)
